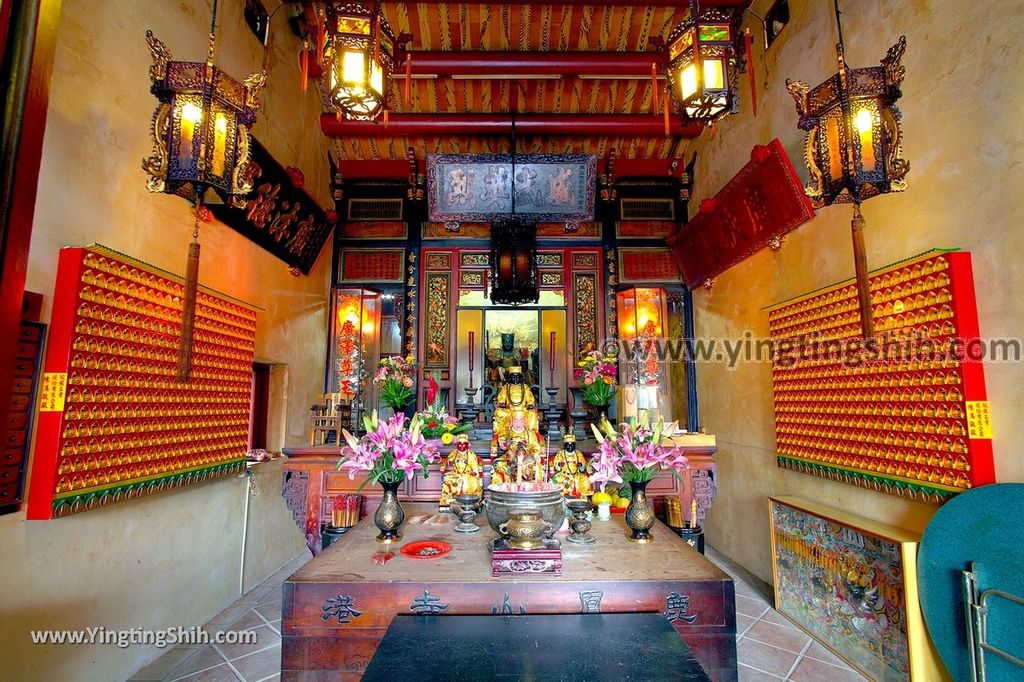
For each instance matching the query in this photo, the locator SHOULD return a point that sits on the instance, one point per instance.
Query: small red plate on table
(425, 549)
(619, 510)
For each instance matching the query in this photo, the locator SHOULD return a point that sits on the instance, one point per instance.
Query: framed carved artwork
(852, 584)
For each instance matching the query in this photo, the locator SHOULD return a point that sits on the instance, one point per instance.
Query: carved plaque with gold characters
(113, 422)
(278, 215)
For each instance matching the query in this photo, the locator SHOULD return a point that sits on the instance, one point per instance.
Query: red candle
(471, 351)
(551, 353)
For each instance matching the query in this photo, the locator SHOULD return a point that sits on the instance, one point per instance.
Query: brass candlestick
(552, 410)
(465, 508)
(580, 524)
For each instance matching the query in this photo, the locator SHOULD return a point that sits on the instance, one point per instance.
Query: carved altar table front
(337, 607)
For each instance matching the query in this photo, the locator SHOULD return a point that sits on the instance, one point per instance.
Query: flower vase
(596, 413)
(389, 515)
(639, 514)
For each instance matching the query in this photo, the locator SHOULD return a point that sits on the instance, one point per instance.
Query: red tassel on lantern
(654, 87)
(188, 304)
(750, 71)
(408, 78)
(321, 38)
(664, 108)
(303, 68)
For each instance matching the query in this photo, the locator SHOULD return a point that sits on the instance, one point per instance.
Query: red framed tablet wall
(908, 415)
(114, 423)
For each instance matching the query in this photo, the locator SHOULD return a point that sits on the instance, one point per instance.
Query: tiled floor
(769, 647)
(259, 611)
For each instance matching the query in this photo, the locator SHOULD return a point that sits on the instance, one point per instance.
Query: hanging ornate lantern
(514, 262)
(702, 64)
(853, 130)
(854, 143)
(200, 141)
(360, 57)
(201, 125)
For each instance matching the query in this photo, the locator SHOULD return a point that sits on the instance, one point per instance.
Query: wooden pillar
(860, 260)
(28, 29)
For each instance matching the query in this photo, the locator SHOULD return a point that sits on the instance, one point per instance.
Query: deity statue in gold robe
(462, 473)
(515, 415)
(569, 469)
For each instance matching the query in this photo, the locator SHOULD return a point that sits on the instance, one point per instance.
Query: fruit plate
(619, 510)
(425, 549)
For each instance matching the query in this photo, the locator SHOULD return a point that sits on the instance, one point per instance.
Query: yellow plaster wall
(173, 559)
(963, 95)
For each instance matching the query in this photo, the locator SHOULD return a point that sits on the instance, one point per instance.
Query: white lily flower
(352, 441)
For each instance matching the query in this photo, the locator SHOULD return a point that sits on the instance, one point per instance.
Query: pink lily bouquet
(389, 451)
(634, 452)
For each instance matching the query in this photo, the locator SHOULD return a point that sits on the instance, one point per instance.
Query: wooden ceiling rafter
(576, 59)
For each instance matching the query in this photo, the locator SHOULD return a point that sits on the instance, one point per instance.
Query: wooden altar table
(312, 481)
(337, 607)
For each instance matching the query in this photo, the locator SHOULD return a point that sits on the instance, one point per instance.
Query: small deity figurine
(462, 473)
(569, 469)
(515, 415)
(522, 463)
(500, 472)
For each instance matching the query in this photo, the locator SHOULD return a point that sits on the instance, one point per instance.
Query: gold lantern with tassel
(853, 148)
(200, 134)
(702, 64)
(360, 57)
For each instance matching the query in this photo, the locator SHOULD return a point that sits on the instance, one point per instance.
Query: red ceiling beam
(558, 3)
(373, 169)
(500, 124)
(512, 64)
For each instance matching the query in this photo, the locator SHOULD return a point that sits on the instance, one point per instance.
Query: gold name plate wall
(114, 423)
(905, 413)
